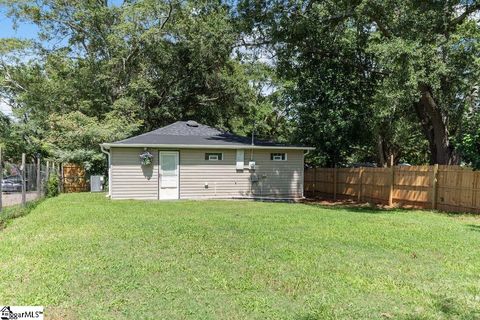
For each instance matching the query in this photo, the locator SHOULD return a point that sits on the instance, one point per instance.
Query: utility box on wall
(96, 183)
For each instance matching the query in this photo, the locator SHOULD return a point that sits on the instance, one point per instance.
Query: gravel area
(11, 199)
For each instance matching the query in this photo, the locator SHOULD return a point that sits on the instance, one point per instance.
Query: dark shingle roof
(181, 133)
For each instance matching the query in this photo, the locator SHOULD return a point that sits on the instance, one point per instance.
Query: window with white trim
(214, 156)
(278, 156)
(240, 159)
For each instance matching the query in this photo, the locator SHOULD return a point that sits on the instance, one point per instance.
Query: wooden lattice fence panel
(74, 178)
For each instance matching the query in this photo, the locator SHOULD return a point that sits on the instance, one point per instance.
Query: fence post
(60, 185)
(392, 182)
(314, 181)
(360, 174)
(434, 186)
(1, 178)
(474, 193)
(39, 178)
(335, 182)
(24, 186)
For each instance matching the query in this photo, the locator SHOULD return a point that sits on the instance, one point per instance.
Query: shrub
(52, 186)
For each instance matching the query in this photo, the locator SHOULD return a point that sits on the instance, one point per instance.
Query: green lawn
(84, 256)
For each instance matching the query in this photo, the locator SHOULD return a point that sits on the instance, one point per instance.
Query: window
(214, 156)
(240, 159)
(168, 163)
(278, 156)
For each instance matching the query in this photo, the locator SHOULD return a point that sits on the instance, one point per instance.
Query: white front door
(169, 175)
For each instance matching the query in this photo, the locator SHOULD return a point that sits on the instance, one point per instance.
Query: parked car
(12, 184)
(404, 164)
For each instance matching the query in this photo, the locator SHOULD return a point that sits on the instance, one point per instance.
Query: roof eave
(191, 146)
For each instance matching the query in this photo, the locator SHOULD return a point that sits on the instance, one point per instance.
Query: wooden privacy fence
(448, 188)
(74, 178)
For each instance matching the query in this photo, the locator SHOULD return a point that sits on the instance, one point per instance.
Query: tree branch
(383, 29)
(468, 11)
(170, 10)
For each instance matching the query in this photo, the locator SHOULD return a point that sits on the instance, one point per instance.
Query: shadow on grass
(322, 312)
(374, 208)
(449, 308)
(442, 307)
(474, 227)
(366, 208)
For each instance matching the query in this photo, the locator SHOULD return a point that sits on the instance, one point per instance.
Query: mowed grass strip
(84, 256)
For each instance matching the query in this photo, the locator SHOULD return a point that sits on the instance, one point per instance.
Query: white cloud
(5, 108)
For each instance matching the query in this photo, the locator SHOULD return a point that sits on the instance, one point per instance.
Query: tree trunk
(435, 129)
(382, 162)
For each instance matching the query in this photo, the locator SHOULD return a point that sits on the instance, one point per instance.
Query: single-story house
(187, 160)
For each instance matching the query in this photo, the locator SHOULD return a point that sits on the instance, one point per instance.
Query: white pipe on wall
(109, 170)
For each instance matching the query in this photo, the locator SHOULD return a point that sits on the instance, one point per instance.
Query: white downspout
(303, 174)
(109, 170)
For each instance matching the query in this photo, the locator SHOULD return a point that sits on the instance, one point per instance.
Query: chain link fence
(25, 180)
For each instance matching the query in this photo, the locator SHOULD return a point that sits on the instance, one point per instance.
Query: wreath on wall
(146, 158)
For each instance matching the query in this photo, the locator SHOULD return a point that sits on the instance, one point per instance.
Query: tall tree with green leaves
(429, 53)
(357, 66)
(144, 63)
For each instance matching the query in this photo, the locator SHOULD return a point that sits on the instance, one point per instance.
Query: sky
(4, 108)
(23, 30)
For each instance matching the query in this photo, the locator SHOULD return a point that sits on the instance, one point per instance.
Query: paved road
(11, 199)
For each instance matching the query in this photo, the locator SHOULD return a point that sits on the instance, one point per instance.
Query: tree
(355, 64)
(428, 54)
(146, 63)
(469, 139)
(5, 128)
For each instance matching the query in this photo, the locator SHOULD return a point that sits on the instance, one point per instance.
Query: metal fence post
(24, 186)
(39, 178)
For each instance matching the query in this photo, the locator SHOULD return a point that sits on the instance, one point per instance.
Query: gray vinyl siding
(131, 180)
(224, 181)
(280, 179)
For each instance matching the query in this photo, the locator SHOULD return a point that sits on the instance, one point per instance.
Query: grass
(9, 213)
(86, 257)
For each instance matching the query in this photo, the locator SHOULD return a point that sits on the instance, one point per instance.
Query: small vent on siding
(192, 123)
